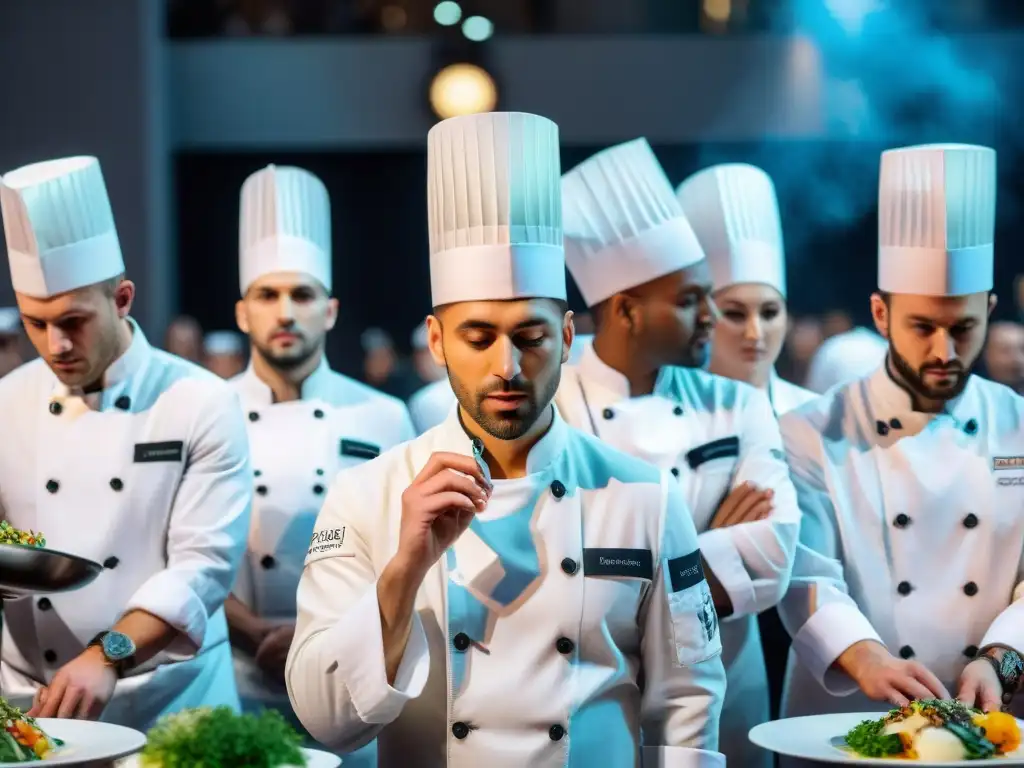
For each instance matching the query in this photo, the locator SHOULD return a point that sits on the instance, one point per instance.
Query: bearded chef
(643, 273)
(306, 422)
(734, 213)
(910, 479)
(122, 454)
(495, 591)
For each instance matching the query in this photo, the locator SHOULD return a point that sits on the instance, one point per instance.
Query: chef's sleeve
(336, 675)
(818, 611)
(407, 431)
(753, 561)
(208, 524)
(1008, 627)
(681, 647)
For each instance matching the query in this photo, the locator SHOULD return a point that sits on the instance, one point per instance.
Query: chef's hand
(273, 651)
(883, 677)
(745, 504)
(980, 686)
(80, 689)
(438, 507)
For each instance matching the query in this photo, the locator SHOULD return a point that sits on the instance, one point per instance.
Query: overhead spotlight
(447, 13)
(477, 28)
(462, 89)
(718, 10)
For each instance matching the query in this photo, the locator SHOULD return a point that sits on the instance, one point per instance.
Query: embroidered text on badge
(359, 450)
(171, 450)
(1007, 462)
(716, 449)
(686, 571)
(327, 540)
(631, 563)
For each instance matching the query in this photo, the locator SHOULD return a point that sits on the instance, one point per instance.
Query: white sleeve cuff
(725, 561)
(357, 645)
(167, 597)
(822, 639)
(1008, 628)
(680, 757)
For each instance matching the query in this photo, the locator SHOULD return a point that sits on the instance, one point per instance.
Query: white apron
(918, 541)
(695, 425)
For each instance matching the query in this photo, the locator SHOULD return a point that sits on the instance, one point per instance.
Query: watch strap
(120, 666)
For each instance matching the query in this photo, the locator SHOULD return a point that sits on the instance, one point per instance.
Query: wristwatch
(1009, 669)
(118, 648)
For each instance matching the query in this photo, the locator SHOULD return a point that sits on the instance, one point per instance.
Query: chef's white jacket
(572, 613)
(151, 478)
(297, 447)
(713, 434)
(912, 533)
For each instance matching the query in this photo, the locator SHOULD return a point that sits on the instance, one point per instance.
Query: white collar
(315, 387)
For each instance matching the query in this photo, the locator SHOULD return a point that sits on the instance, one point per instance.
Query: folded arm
(751, 562)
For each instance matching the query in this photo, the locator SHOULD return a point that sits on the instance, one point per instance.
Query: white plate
(814, 737)
(314, 759)
(88, 742)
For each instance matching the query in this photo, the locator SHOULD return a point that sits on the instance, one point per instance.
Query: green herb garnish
(220, 738)
(868, 740)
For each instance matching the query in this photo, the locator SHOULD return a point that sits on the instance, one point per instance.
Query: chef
(910, 479)
(495, 591)
(122, 454)
(734, 212)
(305, 421)
(845, 357)
(642, 272)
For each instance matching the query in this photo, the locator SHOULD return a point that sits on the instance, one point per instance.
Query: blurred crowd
(387, 367)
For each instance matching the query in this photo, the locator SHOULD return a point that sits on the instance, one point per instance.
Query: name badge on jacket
(725, 447)
(359, 450)
(629, 563)
(172, 450)
(694, 618)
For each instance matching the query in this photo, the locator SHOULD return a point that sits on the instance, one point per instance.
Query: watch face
(117, 646)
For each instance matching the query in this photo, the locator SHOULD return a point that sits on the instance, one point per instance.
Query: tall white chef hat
(284, 226)
(937, 220)
(59, 227)
(735, 213)
(623, 224)
(494, 208)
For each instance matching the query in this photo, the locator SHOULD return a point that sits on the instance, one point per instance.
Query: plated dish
(936, 731)
(22, 740)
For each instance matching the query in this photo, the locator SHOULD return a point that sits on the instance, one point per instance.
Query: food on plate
(11, 535)
(220, 738)
(23, 741)
(937, 732)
